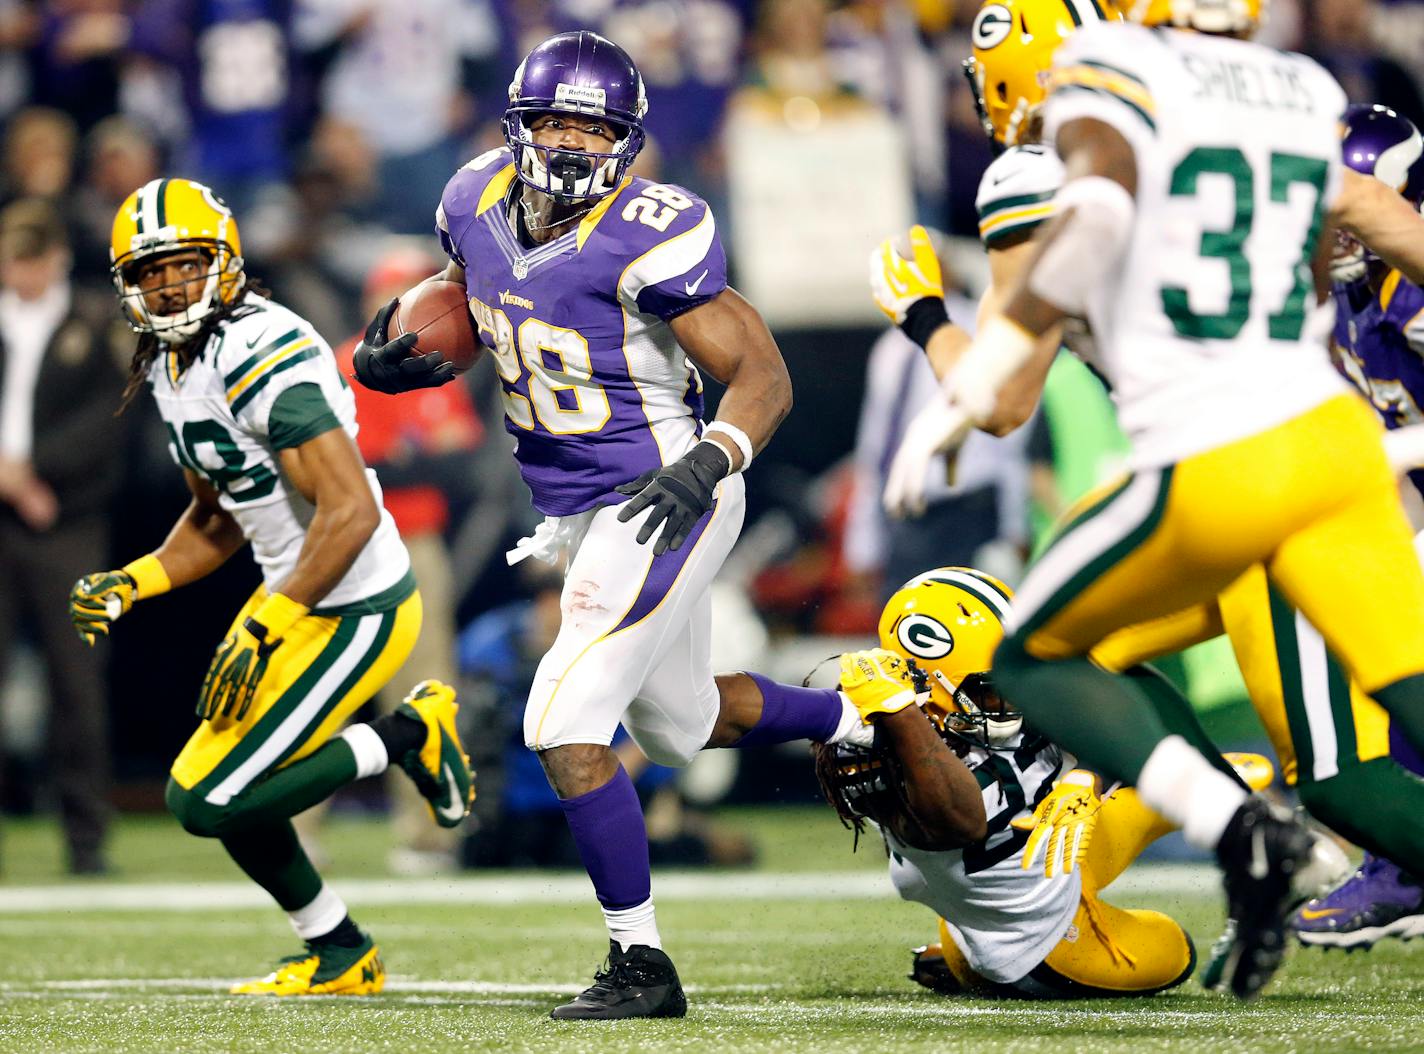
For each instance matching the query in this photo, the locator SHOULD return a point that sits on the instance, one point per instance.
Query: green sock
(1377, 806)
(1404, 699)
(275, 860)
(1105, 720)
(1175, 712)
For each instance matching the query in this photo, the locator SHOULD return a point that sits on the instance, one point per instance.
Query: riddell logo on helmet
(924, 637)
(581, 97)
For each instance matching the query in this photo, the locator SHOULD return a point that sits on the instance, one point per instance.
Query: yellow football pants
(1313, 500)
(325, 668)
(1106, 950)
(1304, 700)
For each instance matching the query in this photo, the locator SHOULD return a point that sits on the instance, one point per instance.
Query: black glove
(679, 494)
(388, 366)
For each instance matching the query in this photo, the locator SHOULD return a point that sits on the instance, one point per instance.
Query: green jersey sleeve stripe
(989, 208)
(300, 413)
(1001, 234)
(232, 377)
(261, 382)
(1116, 71)
(1104, 93)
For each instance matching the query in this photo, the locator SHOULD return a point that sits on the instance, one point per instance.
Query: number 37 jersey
(597, 390)
(1204, 328)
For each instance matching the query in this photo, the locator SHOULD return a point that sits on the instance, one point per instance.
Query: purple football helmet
(1379, 142)
(577, 73)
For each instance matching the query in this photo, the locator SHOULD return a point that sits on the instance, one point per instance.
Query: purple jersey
(596, 389)
(1379, 339)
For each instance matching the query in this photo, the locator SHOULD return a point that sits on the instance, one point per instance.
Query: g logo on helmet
(924, 637)
(992, 26)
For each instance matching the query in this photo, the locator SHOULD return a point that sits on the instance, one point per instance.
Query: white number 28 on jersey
(562, 392)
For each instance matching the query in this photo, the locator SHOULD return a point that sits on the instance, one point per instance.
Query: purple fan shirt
(597, 390)
(1379, 342)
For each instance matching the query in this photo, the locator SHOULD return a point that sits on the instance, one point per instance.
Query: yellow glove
(1062, 825)
(877, 682)
(103, 597)
(241, 660)
(896, 283)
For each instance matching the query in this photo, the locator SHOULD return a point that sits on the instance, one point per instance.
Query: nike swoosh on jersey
(691, 287)
(456, 808)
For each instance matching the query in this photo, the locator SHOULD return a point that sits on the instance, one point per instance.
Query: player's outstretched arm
(727, 338)
(1072, 256)
(944, 801)
(1381, 218)
(200, 542)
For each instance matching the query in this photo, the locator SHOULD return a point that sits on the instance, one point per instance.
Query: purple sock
(1402, 751)
(789, 713)
(612, 841)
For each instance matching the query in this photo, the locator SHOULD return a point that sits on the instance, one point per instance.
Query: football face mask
(167, 218)
(580, 74)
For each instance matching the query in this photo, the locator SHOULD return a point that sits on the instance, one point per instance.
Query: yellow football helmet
(1237, 17)
(171, 215)
(949, 621)
(1014, 42)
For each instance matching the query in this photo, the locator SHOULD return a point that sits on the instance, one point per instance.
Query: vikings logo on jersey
(596, 388)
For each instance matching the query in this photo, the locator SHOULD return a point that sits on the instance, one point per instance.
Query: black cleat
(928, 968)
(1259, 852)
(641, 982)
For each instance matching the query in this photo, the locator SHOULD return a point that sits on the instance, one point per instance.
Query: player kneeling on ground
(987, 822)
(263, 429)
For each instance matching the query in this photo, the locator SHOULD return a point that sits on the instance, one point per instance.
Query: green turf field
(806, 953)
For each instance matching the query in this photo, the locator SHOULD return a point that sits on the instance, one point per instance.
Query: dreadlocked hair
(150, 347)
(861, 784)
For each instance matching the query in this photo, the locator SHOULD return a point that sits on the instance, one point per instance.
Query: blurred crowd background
(814, 127)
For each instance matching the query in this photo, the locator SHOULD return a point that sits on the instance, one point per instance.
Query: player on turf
(1378, 341)
(600, 297)
(1195, 319)
(262, 426)
(1302, 711)
(954, 785)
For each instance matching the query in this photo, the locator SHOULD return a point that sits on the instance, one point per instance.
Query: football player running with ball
(987, 822)
(600, 297)
(262, 426)
(1195, 316)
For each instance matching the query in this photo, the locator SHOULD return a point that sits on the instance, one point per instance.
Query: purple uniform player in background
(1378, 343)
(600, 296)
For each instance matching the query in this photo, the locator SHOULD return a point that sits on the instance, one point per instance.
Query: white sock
(1181, 784)
(635, 925)
(322, 915)
(852, 729)
(371, 757)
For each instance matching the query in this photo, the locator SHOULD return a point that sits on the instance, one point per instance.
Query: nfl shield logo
(521, 269)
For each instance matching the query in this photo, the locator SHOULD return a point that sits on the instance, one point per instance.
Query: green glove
(97, 600)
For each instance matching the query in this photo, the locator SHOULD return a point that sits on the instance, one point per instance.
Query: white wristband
(737, 436)
(1405, 448)
(999, 349)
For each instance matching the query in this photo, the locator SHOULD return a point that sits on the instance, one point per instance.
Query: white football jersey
(218, 417)
(1004, 919)
(1238, 158)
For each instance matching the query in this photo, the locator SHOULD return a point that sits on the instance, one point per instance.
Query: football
(437, 312)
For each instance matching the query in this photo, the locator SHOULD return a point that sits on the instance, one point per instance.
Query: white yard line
(531, 888)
